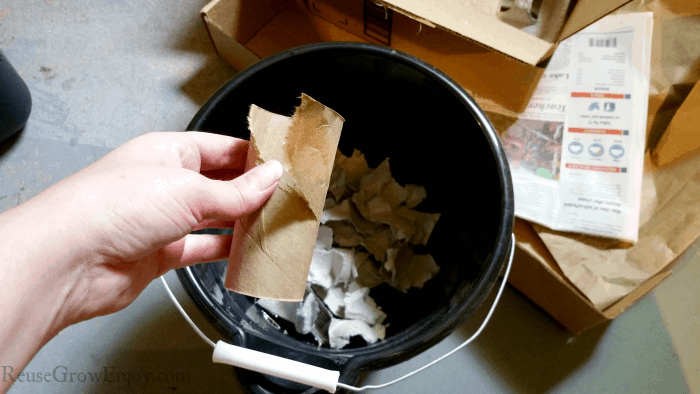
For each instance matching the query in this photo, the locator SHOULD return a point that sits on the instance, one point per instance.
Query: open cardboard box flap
(681, 139)
(473, 21)
(478, 20)
(497, 63)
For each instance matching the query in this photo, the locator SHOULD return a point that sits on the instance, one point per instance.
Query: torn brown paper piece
(272, 248)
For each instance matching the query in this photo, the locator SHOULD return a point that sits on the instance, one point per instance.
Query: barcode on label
(602, 42)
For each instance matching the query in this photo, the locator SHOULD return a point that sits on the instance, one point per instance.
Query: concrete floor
(102, 72)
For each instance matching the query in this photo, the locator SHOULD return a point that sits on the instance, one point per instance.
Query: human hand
(113, 227)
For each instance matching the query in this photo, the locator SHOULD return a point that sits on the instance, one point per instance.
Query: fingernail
(266, 174)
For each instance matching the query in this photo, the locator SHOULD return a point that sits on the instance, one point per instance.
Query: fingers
(229, 200)
(195, 249)
(193, 150)
(219, 151)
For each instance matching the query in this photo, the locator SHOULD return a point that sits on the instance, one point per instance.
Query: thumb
(230, 200)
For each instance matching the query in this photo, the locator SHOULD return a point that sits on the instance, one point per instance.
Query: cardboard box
(491, 59)
(245, 31)
(536, 274)
(498, 64)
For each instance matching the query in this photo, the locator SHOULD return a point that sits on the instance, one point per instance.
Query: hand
(90, 244)
(133, 210)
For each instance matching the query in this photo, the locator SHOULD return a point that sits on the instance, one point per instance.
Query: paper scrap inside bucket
(272, 248)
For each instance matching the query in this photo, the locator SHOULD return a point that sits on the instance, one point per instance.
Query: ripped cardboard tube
(272, 248)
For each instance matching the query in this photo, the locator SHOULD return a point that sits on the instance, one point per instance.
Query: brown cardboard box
(244, 31)
(536, 274)
(491, 59)
(484, 73)
(495, 62)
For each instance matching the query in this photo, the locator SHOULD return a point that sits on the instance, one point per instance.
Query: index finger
(193, 150)
(218, 151)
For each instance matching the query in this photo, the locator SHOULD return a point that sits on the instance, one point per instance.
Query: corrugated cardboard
(537, 275)
(485, 74)
(245, 31)
(682, 138)
(491, 59)
(495, 62)
(272, 248)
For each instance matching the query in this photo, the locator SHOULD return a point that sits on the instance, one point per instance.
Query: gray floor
(102, 72)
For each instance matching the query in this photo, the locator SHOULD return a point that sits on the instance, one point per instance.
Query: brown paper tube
(272, 248)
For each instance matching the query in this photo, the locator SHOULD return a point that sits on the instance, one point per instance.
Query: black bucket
(15, 100)
(435, 135)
